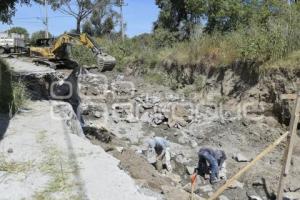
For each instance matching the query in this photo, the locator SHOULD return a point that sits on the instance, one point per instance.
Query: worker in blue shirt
(210, 161)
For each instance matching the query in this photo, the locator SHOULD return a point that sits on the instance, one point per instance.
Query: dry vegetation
(214, 50)
(12, 94)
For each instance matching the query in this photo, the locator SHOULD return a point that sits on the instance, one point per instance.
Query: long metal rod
(248, 166)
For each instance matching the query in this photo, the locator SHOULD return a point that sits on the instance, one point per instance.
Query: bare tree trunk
(78, 23)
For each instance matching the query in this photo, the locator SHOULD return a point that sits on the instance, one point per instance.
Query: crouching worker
(158, 153)
(211, 162)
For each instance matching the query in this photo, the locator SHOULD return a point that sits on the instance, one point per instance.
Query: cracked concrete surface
(42, 158)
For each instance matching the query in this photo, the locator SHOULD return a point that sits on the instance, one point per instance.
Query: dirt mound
(140, 169)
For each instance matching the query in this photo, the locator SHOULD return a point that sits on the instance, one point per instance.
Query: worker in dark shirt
(210, 161)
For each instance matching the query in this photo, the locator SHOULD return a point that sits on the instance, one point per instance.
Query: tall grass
(20, 96)
(268, 44)
(13, 95)
(139, 52)
(211, 50)
(83, 56)
(257, 44)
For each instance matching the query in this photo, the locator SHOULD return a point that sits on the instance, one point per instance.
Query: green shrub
(261, 44)
(83, 56)
(264, 44)
(12, 94)
(258, 44)
(138, 51)
(20, 95)
(291, 61)
(155, 78)
(188, 90)
(199, 83)
(211, 50)
(164, 38)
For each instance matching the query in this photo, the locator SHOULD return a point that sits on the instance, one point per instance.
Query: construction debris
(253, 197)
(241, 158)
(236, 184)
(291, 196)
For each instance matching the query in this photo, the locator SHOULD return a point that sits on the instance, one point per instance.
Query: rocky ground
(120, 112)
(189, 124)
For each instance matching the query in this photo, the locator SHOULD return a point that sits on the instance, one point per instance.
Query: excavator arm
(105, 62)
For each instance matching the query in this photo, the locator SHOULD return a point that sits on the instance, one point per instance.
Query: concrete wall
(6, 96)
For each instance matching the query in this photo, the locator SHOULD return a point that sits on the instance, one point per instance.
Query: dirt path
(44, 156)
(23, 67)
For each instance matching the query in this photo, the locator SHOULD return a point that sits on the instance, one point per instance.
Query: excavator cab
(44, 42)
(58, 50)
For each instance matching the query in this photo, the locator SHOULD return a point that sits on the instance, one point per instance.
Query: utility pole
(121, 4)
(46, 19)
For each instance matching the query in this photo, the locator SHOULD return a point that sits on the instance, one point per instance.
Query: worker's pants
(166, 159)
(213, 165)
(223, 171)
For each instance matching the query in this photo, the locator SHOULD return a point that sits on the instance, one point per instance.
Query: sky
(139, 16)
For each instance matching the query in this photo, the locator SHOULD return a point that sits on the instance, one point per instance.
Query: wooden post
(290, 144)
(230, 181)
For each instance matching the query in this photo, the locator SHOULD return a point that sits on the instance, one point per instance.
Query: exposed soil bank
(242, 82)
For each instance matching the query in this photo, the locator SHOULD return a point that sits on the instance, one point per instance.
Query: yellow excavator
(56, 52)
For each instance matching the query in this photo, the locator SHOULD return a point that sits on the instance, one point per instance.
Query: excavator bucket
(105, 62)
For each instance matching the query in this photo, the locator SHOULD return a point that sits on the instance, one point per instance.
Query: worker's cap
(220, 154)
(148, 144)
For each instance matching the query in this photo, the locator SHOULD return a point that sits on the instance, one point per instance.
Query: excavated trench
(230, 134)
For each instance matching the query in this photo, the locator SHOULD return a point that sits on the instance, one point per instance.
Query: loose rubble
(120, 117)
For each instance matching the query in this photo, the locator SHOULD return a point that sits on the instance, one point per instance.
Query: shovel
(193, 183)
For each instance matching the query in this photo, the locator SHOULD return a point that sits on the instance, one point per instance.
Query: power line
(25, 21)
(41, 17)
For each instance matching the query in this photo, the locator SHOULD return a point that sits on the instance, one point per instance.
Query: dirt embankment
(242, 82)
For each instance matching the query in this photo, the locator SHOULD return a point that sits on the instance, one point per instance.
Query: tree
(218, 15)
(177, 16)
(79, 9)
(172, 13)
(222, 15)
(88, 28)
(38, 35)
(8, 9)
(102, 22)
(19, 30)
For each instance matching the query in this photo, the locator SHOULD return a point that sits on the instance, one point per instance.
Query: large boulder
(179, 116)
